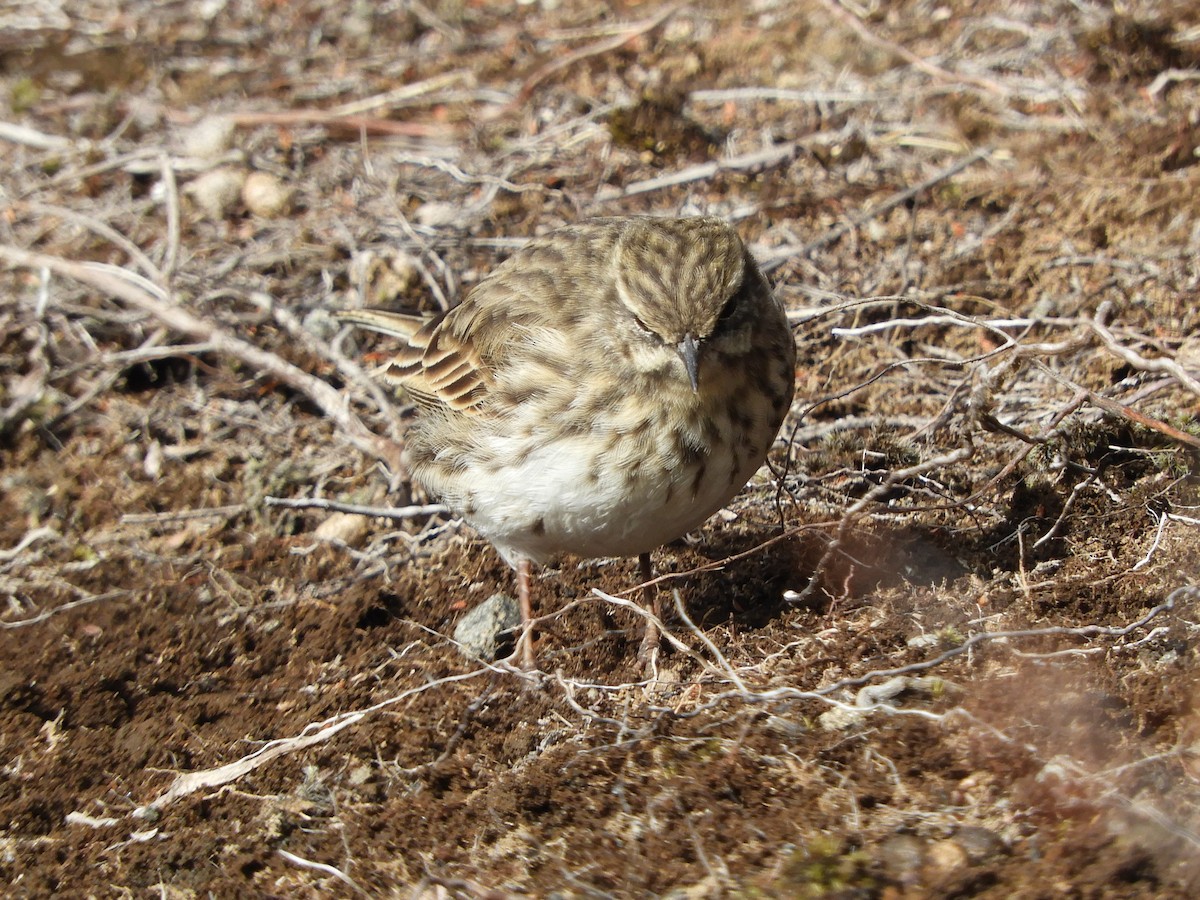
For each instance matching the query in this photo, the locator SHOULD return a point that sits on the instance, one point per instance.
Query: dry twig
(122, 284)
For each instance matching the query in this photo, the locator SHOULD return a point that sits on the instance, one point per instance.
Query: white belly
(561, 499)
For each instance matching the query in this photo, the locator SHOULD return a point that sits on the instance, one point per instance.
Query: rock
(152, 463)
(479, 631)
(217, 191)
(946, 856)
(438, 214)
(347, 528)
(266, 196)
(902, 856)
(979, 843)
(840, 718)
(207, 139)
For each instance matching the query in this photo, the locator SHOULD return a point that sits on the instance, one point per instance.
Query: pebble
(207, 139)
(479, 631)
(217, 191)
(946, 855)
(347, 528)
(266, 196)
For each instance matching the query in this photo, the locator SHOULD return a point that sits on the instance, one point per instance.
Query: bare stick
(401, 96)
(101, 229)
(1121, 411)
(1169, 76)
(322, 867)
(159, 518)
(19, 134)
(759, 159)
(1169, 366)
(171, 198)
(651, 619)
(149, 298)
(314, 733)
(25, 392)
(352, 371)
(1178, 595)
(785, 95)
(69, 605)
(761, 697)
(383, 512)
(30, 538)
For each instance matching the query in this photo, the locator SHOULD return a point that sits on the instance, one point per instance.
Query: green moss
(23, 96)
(824, 866)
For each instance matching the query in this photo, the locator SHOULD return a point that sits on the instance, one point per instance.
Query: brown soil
(998, 522)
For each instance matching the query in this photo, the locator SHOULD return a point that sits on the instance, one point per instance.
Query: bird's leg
(524, 577)
(648, 653)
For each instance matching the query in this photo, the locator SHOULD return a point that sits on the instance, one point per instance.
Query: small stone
(321, 322)
(947, 855)
(347, 528)
(980, 843)
(207, 139)
(784, 725)
(266, 196)
(923, 641)
(478, 632)
(437, 214)
(902, 856)
(839, 718)
(217, 191)
(152, 463)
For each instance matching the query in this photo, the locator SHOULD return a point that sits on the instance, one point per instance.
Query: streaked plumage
(603, 391)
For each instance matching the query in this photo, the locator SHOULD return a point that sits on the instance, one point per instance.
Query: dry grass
(943, 645)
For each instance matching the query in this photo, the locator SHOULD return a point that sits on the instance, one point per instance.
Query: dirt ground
(944, 645)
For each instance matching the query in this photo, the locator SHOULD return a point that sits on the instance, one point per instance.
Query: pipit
(603, 391)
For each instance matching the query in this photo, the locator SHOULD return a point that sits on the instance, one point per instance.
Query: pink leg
(524, 577)
(648, 653)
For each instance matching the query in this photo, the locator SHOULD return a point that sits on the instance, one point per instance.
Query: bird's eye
(642, 325)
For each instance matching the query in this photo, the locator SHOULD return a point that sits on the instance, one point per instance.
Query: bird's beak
(689, 352)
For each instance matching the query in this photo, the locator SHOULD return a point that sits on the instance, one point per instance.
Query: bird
(602, 392)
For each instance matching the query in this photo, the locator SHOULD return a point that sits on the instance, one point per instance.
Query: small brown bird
(603, 391)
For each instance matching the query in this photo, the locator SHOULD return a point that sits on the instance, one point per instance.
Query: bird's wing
(451, 360)
(436, 363)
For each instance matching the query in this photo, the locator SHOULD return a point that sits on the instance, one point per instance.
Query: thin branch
(1121, 411)
(785, 95)
(399, 513)
(1135, 359)
(153, 300)
(183, 515)
(1180, 594)
(315, 733)
(355, 125)
(759, 159)
(66, 607)
(402, 95)
(20, 134)
(322, 867)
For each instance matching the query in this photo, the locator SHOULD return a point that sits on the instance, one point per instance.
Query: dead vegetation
(945, 645)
